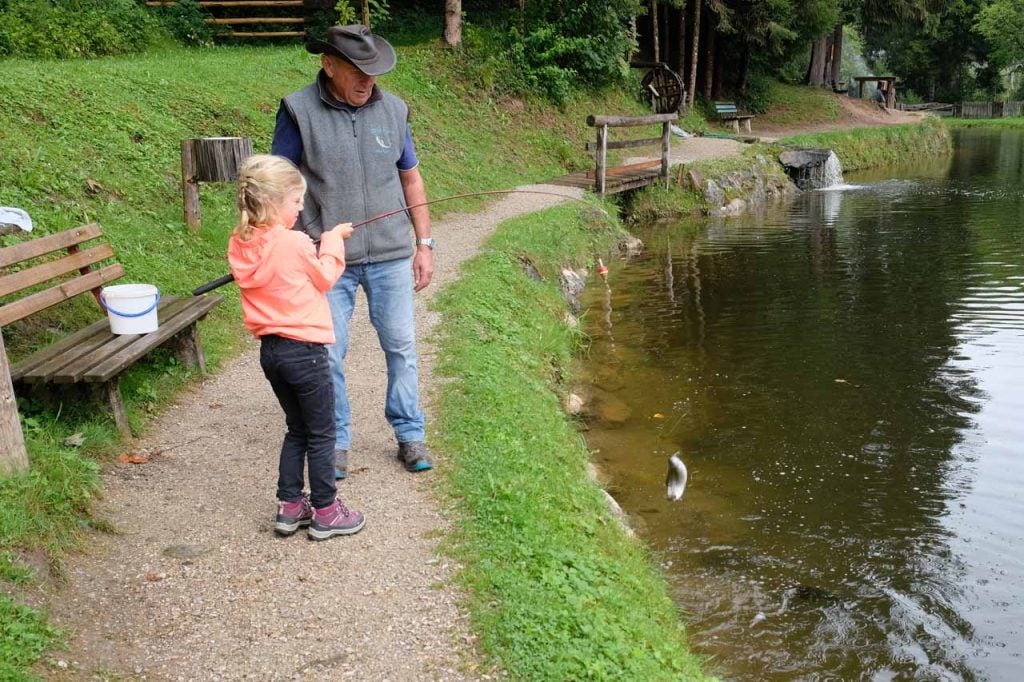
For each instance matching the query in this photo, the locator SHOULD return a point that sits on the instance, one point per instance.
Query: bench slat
(266, 34)
(58, 364)
(42, 300)
(195, 308)
(9, 255)
(29, 364)
(227, 21)
(231, 3)
(110, 344)
(52, 269)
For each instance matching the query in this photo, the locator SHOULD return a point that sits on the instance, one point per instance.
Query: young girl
(284, 283)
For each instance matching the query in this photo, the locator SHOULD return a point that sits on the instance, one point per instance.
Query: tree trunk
(654, 30)
(681, 52)
(718, 81)
(453, 23)
(837, 55)
(693, 51)
(366, 13)
(816, 72)
(826, 71)
(709, 61)
(741, 86)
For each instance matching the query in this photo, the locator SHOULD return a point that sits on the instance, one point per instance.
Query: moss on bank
(756, 175)
(558, 590)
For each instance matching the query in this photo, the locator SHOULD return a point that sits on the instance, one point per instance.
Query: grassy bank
(868, 147)
(1017, 122)
(99, 141)
(757, 170)
(558, 590)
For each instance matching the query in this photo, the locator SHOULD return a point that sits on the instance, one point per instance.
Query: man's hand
(422, 267)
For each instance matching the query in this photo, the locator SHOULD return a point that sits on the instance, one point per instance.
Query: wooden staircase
(232, 13)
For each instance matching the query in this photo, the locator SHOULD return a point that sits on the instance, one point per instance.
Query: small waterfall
(831, 172)
(812, 168)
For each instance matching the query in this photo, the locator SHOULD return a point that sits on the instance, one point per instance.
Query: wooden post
(110, 392)
(190, 185)
(209, 159)
(13, 455)
(219, 158)
(602, 157)
(666, 141)
(188, 350)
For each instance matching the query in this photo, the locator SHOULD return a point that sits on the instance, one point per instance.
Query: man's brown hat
(356, 44)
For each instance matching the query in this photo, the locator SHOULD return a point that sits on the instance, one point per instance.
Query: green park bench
(728, 113)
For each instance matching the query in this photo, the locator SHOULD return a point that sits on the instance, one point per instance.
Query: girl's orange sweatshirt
(284, 282)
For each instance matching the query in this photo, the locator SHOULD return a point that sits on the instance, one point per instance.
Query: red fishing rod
(221, 281)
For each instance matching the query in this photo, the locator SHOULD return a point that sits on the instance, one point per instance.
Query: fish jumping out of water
(675, 482)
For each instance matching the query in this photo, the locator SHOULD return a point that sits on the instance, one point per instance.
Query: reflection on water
(842, 377)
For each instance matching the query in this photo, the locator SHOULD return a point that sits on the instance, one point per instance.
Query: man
(880, 95)
(351, 141)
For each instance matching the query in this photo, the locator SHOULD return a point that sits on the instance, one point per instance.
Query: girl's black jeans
(299, 374)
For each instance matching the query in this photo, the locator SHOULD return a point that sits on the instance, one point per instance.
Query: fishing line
(221, 281)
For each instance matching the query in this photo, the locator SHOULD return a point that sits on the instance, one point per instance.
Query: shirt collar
(330, 100)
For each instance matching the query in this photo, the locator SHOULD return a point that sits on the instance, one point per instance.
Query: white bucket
(131, 307)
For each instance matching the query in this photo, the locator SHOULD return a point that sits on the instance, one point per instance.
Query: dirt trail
(196, 586)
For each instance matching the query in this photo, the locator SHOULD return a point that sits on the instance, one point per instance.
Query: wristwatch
(429, 242)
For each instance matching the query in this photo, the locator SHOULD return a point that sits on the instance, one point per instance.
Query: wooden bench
(292, 25)
(728, 113)
(56, 268)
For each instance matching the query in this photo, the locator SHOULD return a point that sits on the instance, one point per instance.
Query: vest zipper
(367, 257)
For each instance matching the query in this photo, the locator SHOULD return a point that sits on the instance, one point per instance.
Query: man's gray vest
(348, 160)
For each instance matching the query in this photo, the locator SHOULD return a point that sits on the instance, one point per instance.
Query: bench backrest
(54, 257)
(725, 108)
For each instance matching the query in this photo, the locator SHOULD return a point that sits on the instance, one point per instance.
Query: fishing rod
(226, 279)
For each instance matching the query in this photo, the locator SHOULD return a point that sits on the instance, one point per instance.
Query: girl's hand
(346, 229)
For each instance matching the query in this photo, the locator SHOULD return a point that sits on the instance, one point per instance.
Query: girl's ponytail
(264, 181)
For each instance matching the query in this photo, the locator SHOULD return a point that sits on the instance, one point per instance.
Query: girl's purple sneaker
(334, 519)
(292, 515)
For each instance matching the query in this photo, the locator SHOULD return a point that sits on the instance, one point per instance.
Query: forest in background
(939, 50)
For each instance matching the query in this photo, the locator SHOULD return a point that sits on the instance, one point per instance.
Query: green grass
(793, 106)
(656, 203)
(868, 147)
(1014, 122)
(558, 590)
(99, 140)
(24, 636)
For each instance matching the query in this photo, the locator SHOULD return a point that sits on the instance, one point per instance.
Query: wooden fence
(252, 18)
(987, 109)
(634, 175)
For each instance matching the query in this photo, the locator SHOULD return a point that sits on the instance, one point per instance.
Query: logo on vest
(384, 137)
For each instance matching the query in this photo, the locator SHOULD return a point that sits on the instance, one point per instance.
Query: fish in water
(675, 482)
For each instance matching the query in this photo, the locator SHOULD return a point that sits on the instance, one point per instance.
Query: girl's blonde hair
(264, 181)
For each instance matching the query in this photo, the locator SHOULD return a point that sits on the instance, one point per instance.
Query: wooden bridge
(611, 180)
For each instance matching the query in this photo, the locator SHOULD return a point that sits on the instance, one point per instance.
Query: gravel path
(195, 585)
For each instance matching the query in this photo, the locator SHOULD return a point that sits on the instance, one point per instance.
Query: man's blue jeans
(389, 295)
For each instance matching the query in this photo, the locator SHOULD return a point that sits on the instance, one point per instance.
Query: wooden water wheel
(663, 88)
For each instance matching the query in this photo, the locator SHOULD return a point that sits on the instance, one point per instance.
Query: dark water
(845, 379)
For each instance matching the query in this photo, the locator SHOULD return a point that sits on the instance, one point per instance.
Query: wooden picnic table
(890, 87)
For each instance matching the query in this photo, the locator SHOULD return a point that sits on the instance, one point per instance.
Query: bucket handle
(147, 311)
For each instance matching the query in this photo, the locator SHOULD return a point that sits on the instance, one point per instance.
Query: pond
(842, 377)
